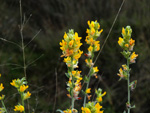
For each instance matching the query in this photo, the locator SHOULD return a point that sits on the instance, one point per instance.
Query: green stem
(128, 83)
(4, 106)
(22, 101)
(86, 88)
(73, 99)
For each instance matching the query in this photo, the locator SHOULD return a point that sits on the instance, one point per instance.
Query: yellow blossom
(23, 88)
(88, 90)
(2, 97)
(95, 69)
(120, 73)
(19, 108)
(65, 35)
(123, 31)
(26, 95)
(68, 59)
(127, 45)
(120, 41)
(85, 110)
(1, 87)
(133, 57)
(98, 107)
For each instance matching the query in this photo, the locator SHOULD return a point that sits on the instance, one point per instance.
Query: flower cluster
(21, 86)
(127, 44)
(100, 95)
(94, 46)
(19, 108)
(93, 33)
(70, 47)
(91, 107)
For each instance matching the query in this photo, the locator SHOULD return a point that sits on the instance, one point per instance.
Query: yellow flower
(127, 45)
(78, 55)
(0, 74)
(88, 90)
(85, 110)
(133, 57)
(68, 59)
(2, 97)
(1, 87)
(123, 31)
(13, 83)
(65, 35)
(71, 43)
(26, 95)
(120, 41)
(19, 108)
(23, 88)
(131, 42)
(124, 67)
(90, 49)
(120, 73)
(99, 98)
(95, 69)
(98, 107)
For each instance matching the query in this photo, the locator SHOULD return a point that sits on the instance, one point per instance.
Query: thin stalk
(22, 101)
(128, 83)
(4, 106)
(86, 88)
(73, 100)
(23, 47)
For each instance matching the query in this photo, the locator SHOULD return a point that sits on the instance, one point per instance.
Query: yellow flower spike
(88, 91)
(2, 97)
(23, 88)
(95, 69)
(26, 95)
(133, 57)
(123, 31)
(85, 110)
(65, 35)
(19, 108)
(1, 87)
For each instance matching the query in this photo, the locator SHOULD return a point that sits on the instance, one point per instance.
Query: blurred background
(49, 19)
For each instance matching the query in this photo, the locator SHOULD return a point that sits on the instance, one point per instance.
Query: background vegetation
(53, 18)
